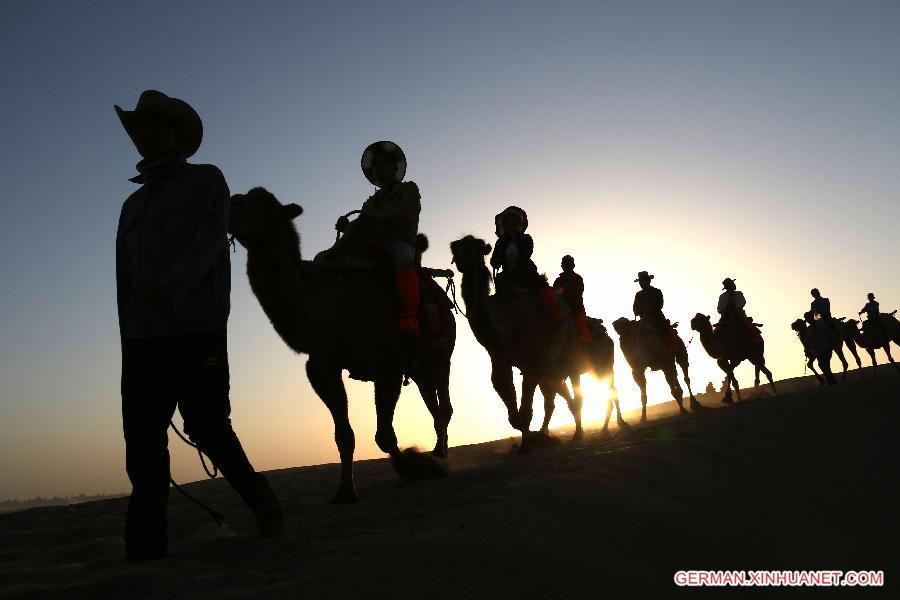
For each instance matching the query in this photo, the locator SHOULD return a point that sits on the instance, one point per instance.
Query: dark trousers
(189, 371)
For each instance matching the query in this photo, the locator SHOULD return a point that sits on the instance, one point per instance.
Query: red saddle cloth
(435, 309)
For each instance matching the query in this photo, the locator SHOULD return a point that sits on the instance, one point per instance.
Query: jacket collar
(153, 170)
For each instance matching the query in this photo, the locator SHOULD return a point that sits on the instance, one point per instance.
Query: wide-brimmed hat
(183, 118)
(373, 149)
(510, 210)
(644, 275)
(726, 281)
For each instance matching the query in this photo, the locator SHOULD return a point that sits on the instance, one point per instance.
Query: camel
(598, 358)
(729, 344)
(819, 345)
(516, 332)
(647, 350)
(871, 339)
(341, 314)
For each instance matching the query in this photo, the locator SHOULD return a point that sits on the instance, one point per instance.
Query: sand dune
(804, 480)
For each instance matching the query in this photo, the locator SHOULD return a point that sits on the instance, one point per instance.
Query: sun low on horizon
(695, 141)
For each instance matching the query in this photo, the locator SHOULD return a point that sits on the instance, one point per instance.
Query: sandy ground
(808, 479)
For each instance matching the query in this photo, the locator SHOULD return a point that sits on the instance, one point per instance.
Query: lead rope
(216, 516)
(450, 290)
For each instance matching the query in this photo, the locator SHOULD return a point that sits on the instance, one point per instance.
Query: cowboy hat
(726, 281)
(183, 118)
(373, 149)
(644, 275)
(510, 210)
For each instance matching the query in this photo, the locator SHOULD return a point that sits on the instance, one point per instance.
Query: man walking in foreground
(173, 282)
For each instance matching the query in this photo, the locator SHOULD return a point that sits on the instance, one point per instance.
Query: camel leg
(887, 350)
(844, 363)
(445, 407)
(640, 378)
(761, 366)
(725, 366)
(871, 352)
(326, 382)
(695, 404)
(812, 367)
(549, 391)
(825, 365)
(756, 376)
(529, 385)
(732, 365)
(671, 374)
(502, 380)
(387, 392)
(575, 402)
(614, 401)
(851, 345)
(429, 395)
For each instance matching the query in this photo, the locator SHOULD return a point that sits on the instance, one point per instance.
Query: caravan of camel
(366, 305)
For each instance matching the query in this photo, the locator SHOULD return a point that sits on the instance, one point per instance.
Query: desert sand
(807, 479)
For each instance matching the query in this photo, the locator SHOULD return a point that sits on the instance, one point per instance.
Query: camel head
(623, 326)
(701, 322)
(469, 251)
(798, 325)
(258, 218)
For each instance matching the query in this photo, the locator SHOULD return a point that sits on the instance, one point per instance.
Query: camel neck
(475, 295)
(278, 283)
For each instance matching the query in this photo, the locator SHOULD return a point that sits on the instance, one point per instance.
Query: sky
(696, 140)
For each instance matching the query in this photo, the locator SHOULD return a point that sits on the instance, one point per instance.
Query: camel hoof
(578, 435)
(697, 407)
(345, 496)
(413, 465)
(623, 424)
(538, 440)
(727, 400)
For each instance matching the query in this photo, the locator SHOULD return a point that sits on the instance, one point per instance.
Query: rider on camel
(648, 304)
(570, 286)
(512, 256)
(873, 314)
(394, 208)
(731, 308)
(822, 306)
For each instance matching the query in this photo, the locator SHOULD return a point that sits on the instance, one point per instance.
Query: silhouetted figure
(570, 286)
(821, 306)
(731, 309)
(648, 305)
(873, 314)
(394, 209)
(710, 389)
(173, 282)
(512, 257)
